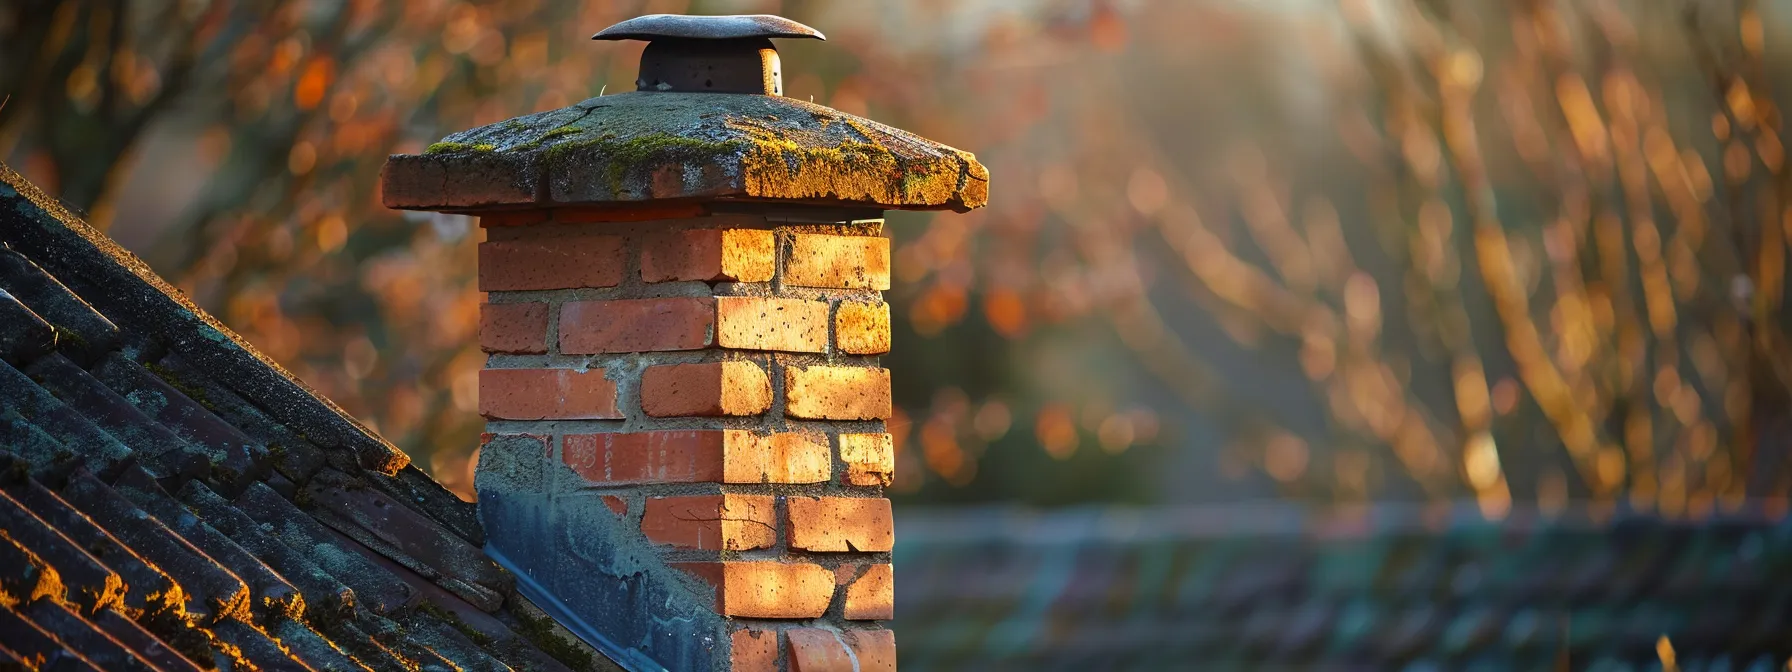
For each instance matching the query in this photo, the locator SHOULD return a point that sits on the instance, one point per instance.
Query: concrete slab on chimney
(658, 146)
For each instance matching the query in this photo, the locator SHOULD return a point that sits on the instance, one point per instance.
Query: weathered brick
(862, 328)
(518, 328)
(872, 597)
(546, 394)
(837, 393)
(784, 325)
(840, 524)
(818, 650)
(786, 457)
(710, 255)
(702, 456)
(551, 262)
(839, 262)
(725, 522)
(636, 325)
(620, 458)
(707, 389)
(617, 505)
(470, 180)
(870, 458)
(875, 649)
(753, 650)
(766, 589)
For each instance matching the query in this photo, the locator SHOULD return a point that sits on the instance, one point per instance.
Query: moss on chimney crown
(646, 146)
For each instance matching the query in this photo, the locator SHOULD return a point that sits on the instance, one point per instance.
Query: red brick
(518, 328)
(618, 505)
(838, 262)
(709, 255)
(753, 651)
(546, 394)
(845, 573)
(875, 649)
(636, 325)
(872, 597)
(766, 589)
(538, 262)
(837, 393)
(817, 650)
(705, 390)
(759, 323)
(725, 522)
(786, 457)
(620, 458)
(870, 458)
(862, 328)
(841, 524)
(703, 456)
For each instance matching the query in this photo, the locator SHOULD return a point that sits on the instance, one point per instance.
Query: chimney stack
(685, 449)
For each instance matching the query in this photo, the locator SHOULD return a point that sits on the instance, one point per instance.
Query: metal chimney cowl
(707, 121)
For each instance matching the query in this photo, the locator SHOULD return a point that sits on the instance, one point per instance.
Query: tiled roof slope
(172, 500)
(1268, 588)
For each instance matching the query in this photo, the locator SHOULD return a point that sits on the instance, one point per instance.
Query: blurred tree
(281, 112)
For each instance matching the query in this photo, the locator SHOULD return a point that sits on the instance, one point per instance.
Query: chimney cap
(730, 27)
(687, 134)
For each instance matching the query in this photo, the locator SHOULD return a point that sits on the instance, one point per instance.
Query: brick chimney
(685, 448)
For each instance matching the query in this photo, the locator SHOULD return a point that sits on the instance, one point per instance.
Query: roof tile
(217, 592)
(429, 497)
(369, 651)
(89, 583)
(323, 593)
(236, 458)
(294, 456)
(439, 635)
(23, 576)
(269, 593)
(23, 335)
(147, 588)
(156, 463)
(72, 431)
(94, 643)
(170, 455)
(309, 646)
(86, 330)
(409, 538)
(375, 588)
(253, 646)
(146, 645)
(19, 434)
(36, 646)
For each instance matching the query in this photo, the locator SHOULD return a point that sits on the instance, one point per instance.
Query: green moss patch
(458, 148)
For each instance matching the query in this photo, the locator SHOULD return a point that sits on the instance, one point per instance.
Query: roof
(639, 146)
(171, 499)
(1273, 587)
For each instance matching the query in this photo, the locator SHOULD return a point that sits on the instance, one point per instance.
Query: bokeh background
(1516, 256)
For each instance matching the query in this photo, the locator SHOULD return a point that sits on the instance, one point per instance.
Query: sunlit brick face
(709, 388)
